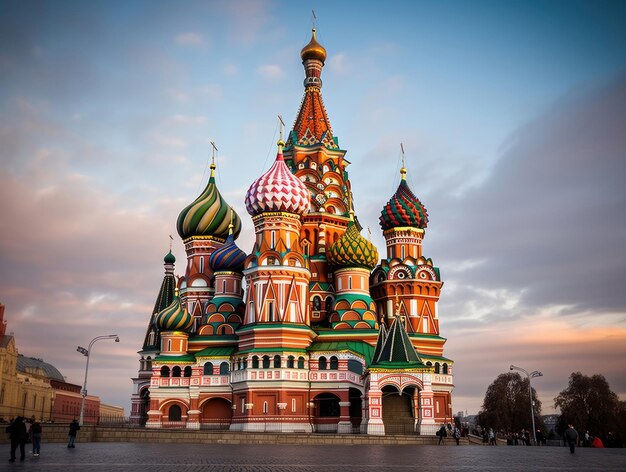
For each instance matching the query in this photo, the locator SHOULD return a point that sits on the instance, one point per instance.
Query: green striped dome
(208, 215)
(175, 317)
(353, 250)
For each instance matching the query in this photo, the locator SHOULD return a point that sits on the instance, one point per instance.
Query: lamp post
(530, 375)
(86, 353)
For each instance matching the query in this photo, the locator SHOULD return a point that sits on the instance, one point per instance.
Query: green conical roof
(397, 349)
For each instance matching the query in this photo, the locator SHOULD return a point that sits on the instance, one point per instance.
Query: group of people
(23, 430)
(444, 431)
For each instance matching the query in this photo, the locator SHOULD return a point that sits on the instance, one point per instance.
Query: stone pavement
(144, 457)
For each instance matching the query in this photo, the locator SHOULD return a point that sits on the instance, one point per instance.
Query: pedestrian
(71, 437)
(457, 435)
(571, 436)
(36, 432)
(492, 437)
(17, 433)
(442, 434)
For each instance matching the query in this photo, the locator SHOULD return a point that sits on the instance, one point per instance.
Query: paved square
(150, 457)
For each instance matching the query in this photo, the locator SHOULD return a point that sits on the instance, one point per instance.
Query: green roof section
(357, 347)
(223, 351)
(428, 357)
(279, 349)
(187, 358)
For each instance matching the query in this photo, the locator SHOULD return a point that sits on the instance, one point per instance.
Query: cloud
(230, 70)
(271, 72)
(190, 39)
(340, 64)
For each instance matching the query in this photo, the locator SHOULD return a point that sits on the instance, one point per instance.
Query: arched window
(276, 361)
(290, 361)
(208, 368)
(334, 363)
(437, 368)
(245, 363)
(329, 303)
(187, 372)
(175, 413)
(176, 371)
(445, 368)
(224, 368)
(266, 362)
(322, 363)
(317, 303)
(165, 371)
(300, 362)
(255, 362)
(355, 366)
(238, 364)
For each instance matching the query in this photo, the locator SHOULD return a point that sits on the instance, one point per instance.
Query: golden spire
(231, 225)
(403, 169)
(213, 166)
(280, 143)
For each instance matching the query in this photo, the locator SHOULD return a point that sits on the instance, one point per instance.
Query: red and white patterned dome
(278, 190)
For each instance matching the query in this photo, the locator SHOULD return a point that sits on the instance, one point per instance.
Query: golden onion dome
(313, 50)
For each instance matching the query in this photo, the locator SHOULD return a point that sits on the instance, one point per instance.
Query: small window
(255, 362)
(300, 362)
(355, 366)
(245, 363)
(437, 368)
(224, 370)
(270, 311)
(323, 363)
(264, 407)
(277, 361)
(208, 369)
(290, 361)
(273, 239)
(293, 405)
(201, 264)
(176, 372)
(187, 372)
(334, 363)
(445, 368)
(165, 371)
(266, 362)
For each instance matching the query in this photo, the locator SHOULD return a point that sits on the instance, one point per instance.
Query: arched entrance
(216, 414)
(326, 412)
(356, 408)
(399, 409)
(144, 406)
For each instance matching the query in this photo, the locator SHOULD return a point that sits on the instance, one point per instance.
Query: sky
(512, 115)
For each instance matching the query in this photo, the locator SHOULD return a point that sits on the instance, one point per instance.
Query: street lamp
(530, 375)
(86, 353)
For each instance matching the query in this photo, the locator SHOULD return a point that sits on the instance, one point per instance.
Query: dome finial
(403, 169)
(280, 143)
(313, 50)
(213, 166)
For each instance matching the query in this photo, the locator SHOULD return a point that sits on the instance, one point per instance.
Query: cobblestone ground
(142, 457)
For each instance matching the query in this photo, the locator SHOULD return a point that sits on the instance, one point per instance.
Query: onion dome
(403, 209)
(208, 215)
(229, 257)
(313, 50)
(169, 258)
(353, 250)
(278, 190)
(175, 317)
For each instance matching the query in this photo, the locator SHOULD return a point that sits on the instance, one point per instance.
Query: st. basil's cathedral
(310, 331)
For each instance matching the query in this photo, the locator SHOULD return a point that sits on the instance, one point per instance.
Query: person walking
(442, 433)
(35, 429)
(18, 435)
(571, 436)
(71, 437)
(456, 435)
